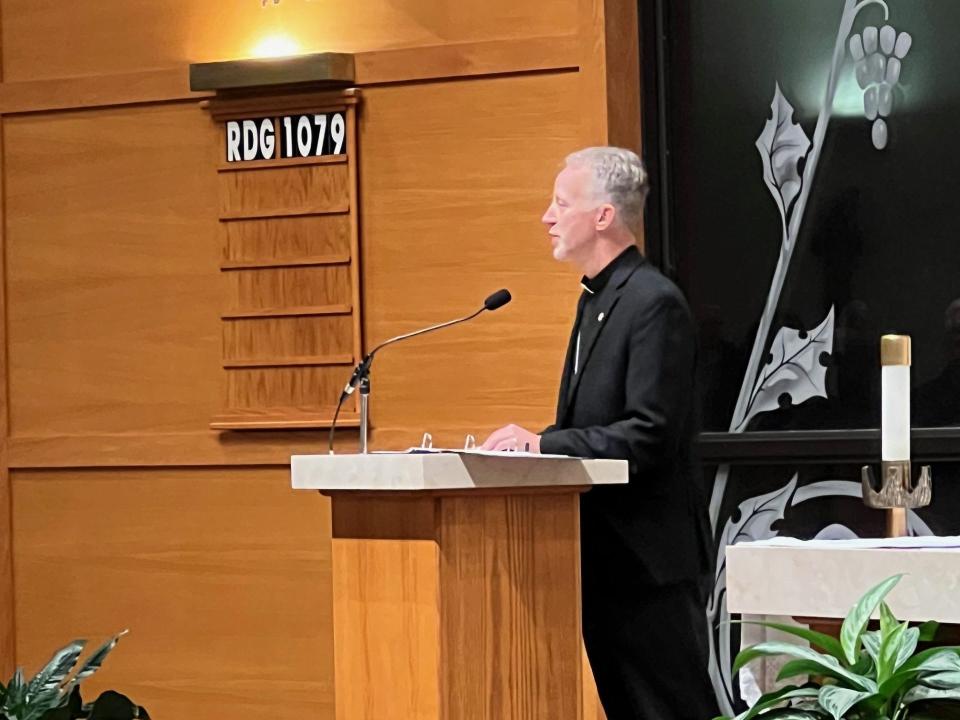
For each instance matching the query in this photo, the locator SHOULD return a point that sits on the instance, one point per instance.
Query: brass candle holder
(897, 493)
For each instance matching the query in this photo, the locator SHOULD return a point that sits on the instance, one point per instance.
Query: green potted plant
(54, 693)
(863, 675)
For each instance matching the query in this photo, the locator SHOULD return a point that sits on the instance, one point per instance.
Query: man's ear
(606, 214)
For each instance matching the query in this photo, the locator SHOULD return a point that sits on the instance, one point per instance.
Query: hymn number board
(289, 249)
(286, 137)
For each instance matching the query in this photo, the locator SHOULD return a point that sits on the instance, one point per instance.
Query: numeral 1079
(299, 136)
(306, 135)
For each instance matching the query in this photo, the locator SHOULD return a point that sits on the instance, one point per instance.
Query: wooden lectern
(456, 582)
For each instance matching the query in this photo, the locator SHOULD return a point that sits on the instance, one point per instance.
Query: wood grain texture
(198, 448)
(429, 62)
(279, 238)
(111, 271)
(510, 637)
(622, 69)
(285, 191)
(286, 206)
(386, 629)
(115, 292)
(288, 337)
(80, 38)
(287, 311)
(356, 281)
(222, 577)
(302, 389)
(592, 709)
(379, 517)
(122, 88)
(386, 607)
(8, 629)
(257, 289)
(449, 214)
(8, 624)
(453, 60)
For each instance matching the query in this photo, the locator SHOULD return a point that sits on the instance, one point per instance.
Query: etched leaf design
(782, 144)
(756, 516)
(795, 372)
(753, 520)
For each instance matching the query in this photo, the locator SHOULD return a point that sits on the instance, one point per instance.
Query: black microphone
(493, 302)
(497, 300)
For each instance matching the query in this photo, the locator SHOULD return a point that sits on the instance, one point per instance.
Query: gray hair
(618, 177)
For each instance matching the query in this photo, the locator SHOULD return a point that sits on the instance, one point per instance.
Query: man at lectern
(627, 391)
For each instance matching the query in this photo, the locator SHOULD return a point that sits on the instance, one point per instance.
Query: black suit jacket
(634, 398)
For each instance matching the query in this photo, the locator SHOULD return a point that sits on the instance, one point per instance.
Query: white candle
(895, 407)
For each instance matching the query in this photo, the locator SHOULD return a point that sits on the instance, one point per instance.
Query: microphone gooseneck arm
(423, 331)
(361, 373)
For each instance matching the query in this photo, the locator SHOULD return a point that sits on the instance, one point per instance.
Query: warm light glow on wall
(276, 46)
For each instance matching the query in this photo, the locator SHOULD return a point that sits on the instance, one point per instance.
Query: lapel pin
(600, 317)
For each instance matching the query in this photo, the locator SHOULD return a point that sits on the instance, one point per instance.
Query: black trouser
(647, 646)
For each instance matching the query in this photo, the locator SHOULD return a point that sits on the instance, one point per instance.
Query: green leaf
(828, 665)
(94, 662)
(793, 714)
(942, 680)
(888, 621)
(863, 666)
(889, 651)
(805, 668)
(57, 668)
(837, 700)
(772, 699)
(829, 644)
(937, 658)
(871, 643)
(795, 668)
(928, 630)
(931, 661)
(924, 693)
(908, 646)
(858, 617)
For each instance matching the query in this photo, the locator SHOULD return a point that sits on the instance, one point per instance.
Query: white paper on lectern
(902, 543)
(475, 451)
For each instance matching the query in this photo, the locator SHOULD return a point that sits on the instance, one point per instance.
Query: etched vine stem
(792, 219)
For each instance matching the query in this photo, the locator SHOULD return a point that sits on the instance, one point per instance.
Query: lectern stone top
(449, 471)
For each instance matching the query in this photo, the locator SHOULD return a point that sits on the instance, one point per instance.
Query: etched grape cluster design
(878, 55)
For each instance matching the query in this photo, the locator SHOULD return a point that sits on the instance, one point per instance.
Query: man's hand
(512, 437)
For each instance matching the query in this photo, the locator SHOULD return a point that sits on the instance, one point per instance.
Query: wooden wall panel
(53, 38)
(292, 237)
(287, 387)
(317, 335)
(7, 617)
(222, 577)
(261, 289)
(267, 192)
(112, 251)
(454, 179)
(115, 290)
